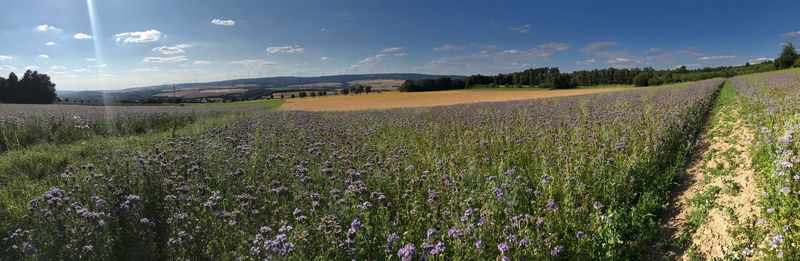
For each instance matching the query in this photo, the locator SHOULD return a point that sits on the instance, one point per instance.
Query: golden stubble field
(389, 100)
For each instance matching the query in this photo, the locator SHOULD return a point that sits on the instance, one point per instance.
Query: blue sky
(148, 42)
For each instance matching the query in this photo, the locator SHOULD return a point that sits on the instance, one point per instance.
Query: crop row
(772, 106)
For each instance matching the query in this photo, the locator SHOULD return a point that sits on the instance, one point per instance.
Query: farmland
(564, 177)
(426, 99)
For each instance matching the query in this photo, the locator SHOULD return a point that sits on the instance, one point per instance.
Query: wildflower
(551, 205)
(354, 226)
(467, 214)
(747, 251)
(785, 190)
(407, 252)
(503, 247)
(479, 244)
(430, 232)
(455, 233)
(498, 193)
(597, 205)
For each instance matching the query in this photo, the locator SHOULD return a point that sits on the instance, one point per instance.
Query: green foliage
(788, 57)
(32, 88)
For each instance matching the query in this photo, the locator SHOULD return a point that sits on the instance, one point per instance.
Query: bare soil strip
(425, 99)
(718, 194)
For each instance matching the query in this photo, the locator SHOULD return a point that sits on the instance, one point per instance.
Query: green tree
(787, 58)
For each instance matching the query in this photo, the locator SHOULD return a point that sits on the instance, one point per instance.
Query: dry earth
(425, 99)
(718, 195)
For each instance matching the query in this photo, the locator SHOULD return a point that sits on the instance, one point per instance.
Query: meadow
(558, 178)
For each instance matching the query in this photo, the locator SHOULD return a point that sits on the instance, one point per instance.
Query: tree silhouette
(32, 88)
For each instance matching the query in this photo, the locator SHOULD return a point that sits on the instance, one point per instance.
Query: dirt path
(717, 195)
(426, 99)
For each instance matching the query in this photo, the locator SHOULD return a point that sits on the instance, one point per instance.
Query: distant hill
(254, 87)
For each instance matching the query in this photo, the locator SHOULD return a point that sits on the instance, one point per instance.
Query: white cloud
(51, 44)
(4, 58)
(169, 59)
(792, 34)
(47, 28)
(81, 70)
(594, 47)
(221, 22)
(98, 66)
(587, 62)
(286, 49)
(43, 56)
(32, 67)
(145, 70)
(325, 58)
(448, 47)
(58, 67)
(82, 36)
(400, 54)
(7, 68)
(392, 50)
(759, 60)
(255, 63)
(90, 59)
(169, 50)
(201, 62)
(368, 62)
(523, 29)
(618, 61)
(716, 57)
(151, 35)
(559, 47)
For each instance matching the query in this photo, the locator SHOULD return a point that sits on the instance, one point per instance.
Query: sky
(115, 44)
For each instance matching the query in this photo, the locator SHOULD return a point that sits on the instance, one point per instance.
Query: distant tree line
(553, 78)
(355, 89)
(33, 88)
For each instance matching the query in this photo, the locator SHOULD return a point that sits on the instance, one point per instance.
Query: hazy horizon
(94, 45)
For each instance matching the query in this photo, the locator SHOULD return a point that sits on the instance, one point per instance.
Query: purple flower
(431, 232)
(498, 193)
(434, 249)
(551, 205)
(598, 205)
(747, 251)
(213, 200)
(407, 252)
(467, 214)
(455, 233)
(503, 247)
(354, 226)
(479, 244)
(785, 190)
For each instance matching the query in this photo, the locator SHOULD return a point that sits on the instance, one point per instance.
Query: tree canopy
(33, 88)
(788, 57)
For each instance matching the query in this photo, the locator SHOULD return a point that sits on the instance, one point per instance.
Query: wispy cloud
(170, 50)
(201, 62)
(221, 22)
(792, 34)
(32, 67)
(759, 60)
(169, 59)
(716, 57)
(594, 47)
(4, 58)
(392, 50)
(286, 49)
(448, 47)
(255, 63)
(586, 62)
(50, 44)
(7, 68)
(151, 35)
(325, 58)
(47, 28)
(523, 29)
(43, 57)
(58, 67)
(82, 36)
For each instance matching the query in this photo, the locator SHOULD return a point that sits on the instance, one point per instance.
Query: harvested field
(425, 99)
(383, 85)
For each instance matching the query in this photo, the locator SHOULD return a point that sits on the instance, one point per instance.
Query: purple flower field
(773, 107)
(564, 178)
